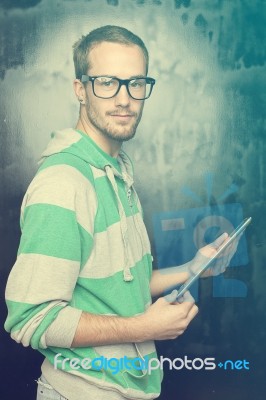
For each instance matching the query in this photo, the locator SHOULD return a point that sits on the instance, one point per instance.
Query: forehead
(117, 59)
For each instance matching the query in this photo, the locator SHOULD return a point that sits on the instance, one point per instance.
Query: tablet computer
(232, 237)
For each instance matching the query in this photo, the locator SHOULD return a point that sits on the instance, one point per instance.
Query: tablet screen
(231, 239)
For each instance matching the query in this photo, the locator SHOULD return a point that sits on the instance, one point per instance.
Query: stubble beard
(109, 131)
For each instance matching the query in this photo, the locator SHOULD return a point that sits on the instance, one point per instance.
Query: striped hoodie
(84, 247)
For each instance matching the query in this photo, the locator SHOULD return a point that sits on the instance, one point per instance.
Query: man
(82, 284)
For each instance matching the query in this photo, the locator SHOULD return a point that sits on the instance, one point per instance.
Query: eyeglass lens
(107, 87)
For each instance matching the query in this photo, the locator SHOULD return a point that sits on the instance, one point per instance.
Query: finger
(186, 301)
(192, 313)
(172, 296)
(180, 300)
(219, 241)
(187, 297)
(218, 270)
(219, 266)
(228, 254)
(231, 247)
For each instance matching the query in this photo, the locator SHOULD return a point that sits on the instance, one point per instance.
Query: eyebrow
(131, 77)
(137, 76)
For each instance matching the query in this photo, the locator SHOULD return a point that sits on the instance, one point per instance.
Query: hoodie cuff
(62, 330)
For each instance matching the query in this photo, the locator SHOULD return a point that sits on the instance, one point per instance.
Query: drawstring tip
(128, 276)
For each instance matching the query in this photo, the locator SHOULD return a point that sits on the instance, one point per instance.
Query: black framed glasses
(107, 87)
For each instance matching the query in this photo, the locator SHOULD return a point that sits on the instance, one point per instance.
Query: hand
(219, 265)
(168, 320)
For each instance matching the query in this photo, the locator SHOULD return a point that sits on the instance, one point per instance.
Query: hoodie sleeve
(57, 223)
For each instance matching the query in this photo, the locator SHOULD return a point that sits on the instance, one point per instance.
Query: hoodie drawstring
(123, 223)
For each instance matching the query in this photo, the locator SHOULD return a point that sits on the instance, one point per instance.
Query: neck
(108, 145)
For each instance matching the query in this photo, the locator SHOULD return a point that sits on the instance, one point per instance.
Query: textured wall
(203, 131)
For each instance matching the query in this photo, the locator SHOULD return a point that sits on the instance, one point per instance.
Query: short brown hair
(108, 33)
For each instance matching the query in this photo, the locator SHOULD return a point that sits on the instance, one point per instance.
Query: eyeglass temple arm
(85, 78)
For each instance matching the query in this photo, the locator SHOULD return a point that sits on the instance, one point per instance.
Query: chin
(121, 136)
(125, 139)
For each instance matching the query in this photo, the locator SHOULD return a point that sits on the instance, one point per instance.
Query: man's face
(116, 118)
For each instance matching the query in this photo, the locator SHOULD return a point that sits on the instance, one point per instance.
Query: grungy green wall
(201, 144)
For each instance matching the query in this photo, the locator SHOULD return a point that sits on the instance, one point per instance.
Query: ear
(79, 91)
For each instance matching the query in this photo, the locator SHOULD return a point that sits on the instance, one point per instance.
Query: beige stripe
(62, 330)
(62, 139)
(97, 172)
(37, 278)
(77, 385)
(64, 186)
(25, 333)
(129, 349)
(107, 256)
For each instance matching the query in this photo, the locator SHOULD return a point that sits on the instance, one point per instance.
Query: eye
(105, 81)
(137, 83)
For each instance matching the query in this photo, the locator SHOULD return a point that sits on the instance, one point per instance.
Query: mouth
(120, 113)
(122, 117)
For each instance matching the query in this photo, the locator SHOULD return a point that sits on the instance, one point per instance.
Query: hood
(77, 143)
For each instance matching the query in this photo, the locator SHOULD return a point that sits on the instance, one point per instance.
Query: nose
(122, 98)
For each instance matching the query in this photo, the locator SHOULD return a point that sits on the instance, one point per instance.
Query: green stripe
(50, 230)
(80, 353)
(19, 314)
(96, 153)
(86, 243)
(69, 159)
(128, 298)
(107, 213)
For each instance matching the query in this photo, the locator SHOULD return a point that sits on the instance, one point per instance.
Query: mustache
(121, 112)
